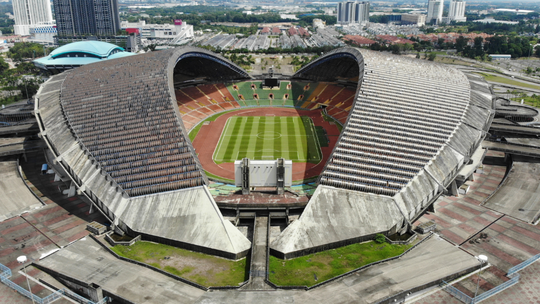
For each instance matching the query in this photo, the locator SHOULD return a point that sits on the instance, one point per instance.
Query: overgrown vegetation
(206, 270)
(318, 267)
(500, 79)
(533, 100)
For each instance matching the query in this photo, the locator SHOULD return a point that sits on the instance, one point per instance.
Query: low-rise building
(359, 40)
(500, 56)
(159, 31)
(415, 19)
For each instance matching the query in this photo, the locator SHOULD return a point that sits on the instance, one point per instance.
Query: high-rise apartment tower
(352, 12)
(86, 17)
(457, 11)
(435, 10)
(30, 12)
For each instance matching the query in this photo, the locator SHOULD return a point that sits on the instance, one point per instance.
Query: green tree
(4, 66)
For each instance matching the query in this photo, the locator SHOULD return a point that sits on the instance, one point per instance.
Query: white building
(178, 31)
(43, 33)
(30, 12)
(414, 19)
(318, 23)
(457, 11)
(435, 11)
(352, 12)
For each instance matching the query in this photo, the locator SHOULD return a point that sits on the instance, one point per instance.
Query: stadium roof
(79, 53)
(134, 159)
(412, 126)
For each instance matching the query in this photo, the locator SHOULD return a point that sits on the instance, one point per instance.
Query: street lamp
(482, 259)
(22, 259)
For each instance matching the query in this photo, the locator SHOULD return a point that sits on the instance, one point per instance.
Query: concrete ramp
(15, 198)
(519, 197)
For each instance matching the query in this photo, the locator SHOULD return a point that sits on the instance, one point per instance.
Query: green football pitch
(268, 138)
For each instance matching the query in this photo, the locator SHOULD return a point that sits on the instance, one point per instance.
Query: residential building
(457, 11)
(43, 33)
(30, 12)
(87, 17)
(435, 11)
(352, 12)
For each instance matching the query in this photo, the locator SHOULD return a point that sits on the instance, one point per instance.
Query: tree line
(25, 76)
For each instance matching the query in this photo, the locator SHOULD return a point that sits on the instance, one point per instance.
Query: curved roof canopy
(80, 53)
(96, 48)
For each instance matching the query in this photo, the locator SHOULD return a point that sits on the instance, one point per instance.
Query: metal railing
(513, 279)
(456, 293)
(520, 266)
(5, 274)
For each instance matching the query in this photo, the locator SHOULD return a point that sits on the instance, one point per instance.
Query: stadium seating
(386, 142)
(136, 140)
(199, 102)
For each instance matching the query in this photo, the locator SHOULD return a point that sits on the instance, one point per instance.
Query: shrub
(379, 238)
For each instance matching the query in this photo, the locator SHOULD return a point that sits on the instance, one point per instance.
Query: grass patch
(268, 138)
(499, 79)
(321, 134)
(529, 100)
(318, 267)
(213, 176)
(204, 269)
(195, 130)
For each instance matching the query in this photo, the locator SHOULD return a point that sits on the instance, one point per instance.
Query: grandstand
(199, 102)
(392, 160)
(119, 131)
(116, 132)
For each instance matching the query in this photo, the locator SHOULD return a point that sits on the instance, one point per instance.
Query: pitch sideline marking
(296, 124)
(220, 143)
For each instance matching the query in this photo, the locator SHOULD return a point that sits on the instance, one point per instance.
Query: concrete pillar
(280, 176)
(245, 176)
(95, 292)
(72, 191)
(453, 189)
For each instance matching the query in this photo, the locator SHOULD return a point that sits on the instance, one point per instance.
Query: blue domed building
(80, 53)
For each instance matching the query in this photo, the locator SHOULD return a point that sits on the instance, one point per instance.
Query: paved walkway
(462, 221)
(504, 240)
(258, 263)
(87, 261)
(527, 291)
(34, 234)
(10, 296)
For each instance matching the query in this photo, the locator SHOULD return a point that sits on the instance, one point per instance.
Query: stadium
(145, 138)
